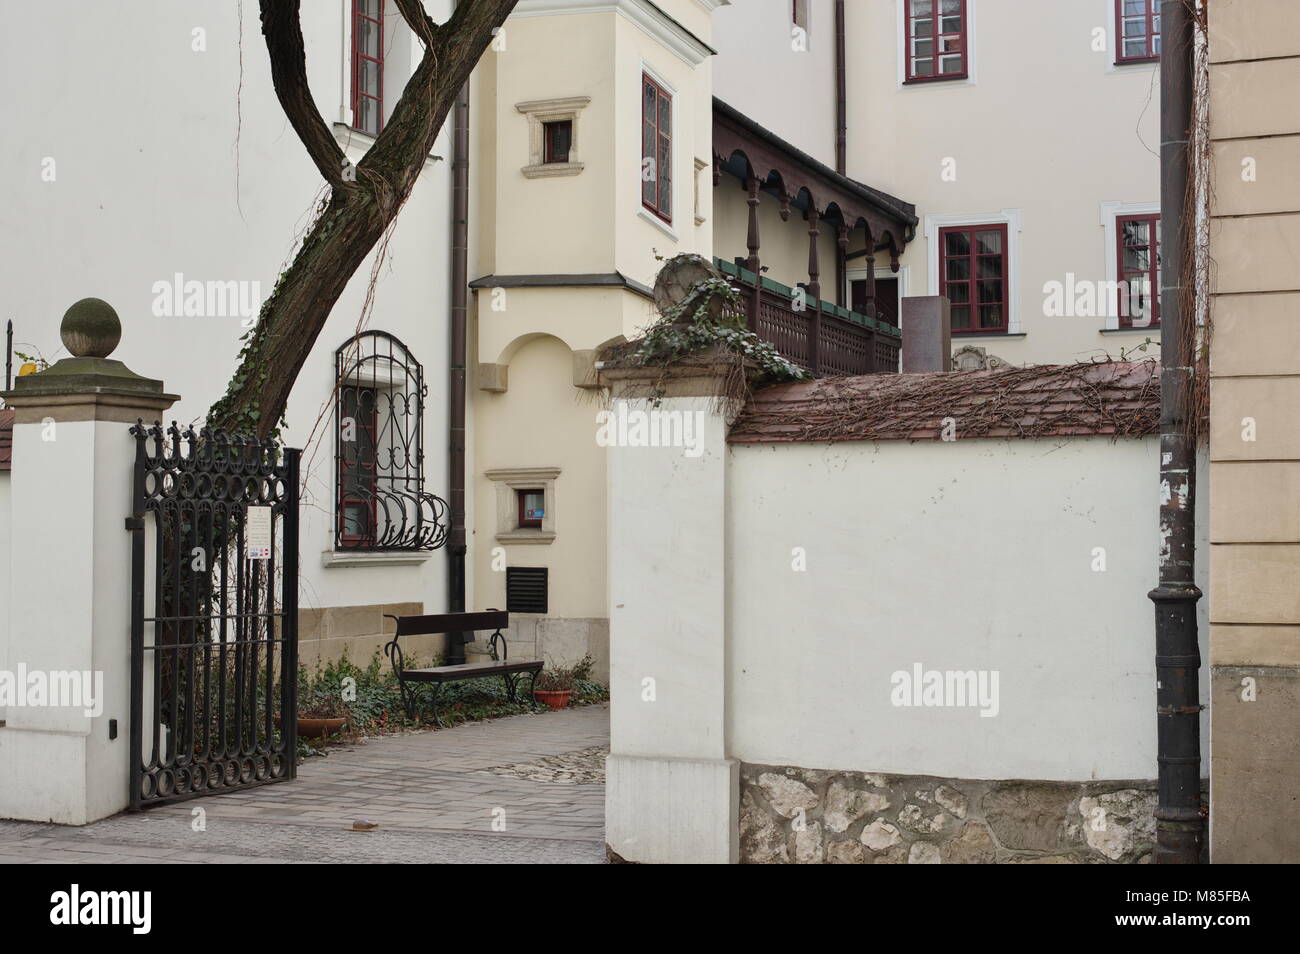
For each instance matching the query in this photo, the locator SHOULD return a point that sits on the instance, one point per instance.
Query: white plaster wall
(757, 70)
(962, 555)
(170, 160)
(1047, 126)
(666, 572)
(6, 528)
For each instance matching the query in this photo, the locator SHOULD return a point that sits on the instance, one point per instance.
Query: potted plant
(554, 687)
(320, 719)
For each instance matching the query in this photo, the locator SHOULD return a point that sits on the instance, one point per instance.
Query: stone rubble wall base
(671, 811)
(809, 816)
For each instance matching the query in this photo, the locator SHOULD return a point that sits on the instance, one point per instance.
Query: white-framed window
(657, 172)
(800, 16)
(1133, 29)
(939, 227)
(951, 44)
(380, 53)
(1132, 244)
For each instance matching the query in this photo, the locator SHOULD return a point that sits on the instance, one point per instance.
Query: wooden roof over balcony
(745, 149)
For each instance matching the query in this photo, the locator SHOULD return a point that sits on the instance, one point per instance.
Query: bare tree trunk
(363, 202)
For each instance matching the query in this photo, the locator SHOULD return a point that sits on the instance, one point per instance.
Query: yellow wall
(543, 421)
(584, 224)
(1255, 476)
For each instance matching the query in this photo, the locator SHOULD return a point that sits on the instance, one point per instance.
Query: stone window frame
(541, 111)
(508, 481)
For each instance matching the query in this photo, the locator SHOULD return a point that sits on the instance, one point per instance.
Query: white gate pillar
(671, 792)
(66, 758)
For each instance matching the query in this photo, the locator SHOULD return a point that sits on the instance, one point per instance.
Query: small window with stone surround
(553, 136)
(525, 498)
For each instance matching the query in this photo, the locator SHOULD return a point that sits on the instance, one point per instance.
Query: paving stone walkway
(527, 789)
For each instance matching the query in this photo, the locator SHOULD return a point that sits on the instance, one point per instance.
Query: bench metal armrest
(493, 640)
(392, 650)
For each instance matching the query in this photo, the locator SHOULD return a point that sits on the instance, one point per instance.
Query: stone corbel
(493, 377)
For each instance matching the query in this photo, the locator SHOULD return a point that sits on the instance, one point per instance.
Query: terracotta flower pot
(555, 699)
(316, 728)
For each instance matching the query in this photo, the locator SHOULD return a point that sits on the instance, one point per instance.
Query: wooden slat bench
(496, 620)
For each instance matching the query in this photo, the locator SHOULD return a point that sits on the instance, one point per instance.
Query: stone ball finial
(90, 329)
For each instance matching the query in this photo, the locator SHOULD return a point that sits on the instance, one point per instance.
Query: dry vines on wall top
(1117, 398)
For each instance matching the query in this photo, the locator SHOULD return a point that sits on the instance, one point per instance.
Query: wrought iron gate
(214, 658)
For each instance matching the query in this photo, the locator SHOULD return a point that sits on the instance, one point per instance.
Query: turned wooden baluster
(814, 289)
(752, 263)
(869, 301)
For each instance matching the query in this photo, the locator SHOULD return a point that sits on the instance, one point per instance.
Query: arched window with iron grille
(381, 503)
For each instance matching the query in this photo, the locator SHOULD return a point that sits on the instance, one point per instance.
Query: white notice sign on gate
(257, 533)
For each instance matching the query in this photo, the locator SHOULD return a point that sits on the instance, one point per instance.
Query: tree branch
(284, 44)
(418, 20)
(357, 214)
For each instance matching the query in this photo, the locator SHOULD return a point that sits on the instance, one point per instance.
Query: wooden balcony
(823, 338)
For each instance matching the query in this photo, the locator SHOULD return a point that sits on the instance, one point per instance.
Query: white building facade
(172, 187)
(1026, 135)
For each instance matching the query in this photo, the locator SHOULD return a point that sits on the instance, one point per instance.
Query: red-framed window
(557, 140)
(656, 149)
(1139, 271)
(358, 456)
(937, 39)
(973, 277)
(1137, 25)
(532, 508)
(368, 65)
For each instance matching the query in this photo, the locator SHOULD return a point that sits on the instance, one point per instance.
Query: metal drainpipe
(841, 94)
(1179, 827)
(842, 295)
(456, 545)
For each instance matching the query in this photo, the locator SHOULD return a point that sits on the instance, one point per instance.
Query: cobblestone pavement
(516, 790)
(584, 767)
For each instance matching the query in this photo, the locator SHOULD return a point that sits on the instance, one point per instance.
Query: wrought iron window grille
(380, 500)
